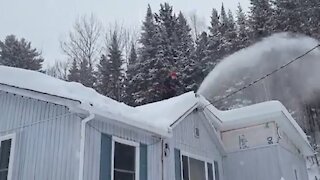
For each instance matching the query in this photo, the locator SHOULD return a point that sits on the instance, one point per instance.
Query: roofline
(35, 95)
(272, 117)
(185, 114)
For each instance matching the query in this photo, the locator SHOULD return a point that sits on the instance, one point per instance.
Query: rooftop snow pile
(39, 82)
(165, 113)
(155, 117)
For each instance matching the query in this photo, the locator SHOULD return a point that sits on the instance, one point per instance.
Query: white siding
(184, 139)
(47, 138)
(289, 162)
(260, 163)
(93, 145)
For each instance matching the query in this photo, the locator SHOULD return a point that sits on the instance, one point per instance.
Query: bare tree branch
(84, 41)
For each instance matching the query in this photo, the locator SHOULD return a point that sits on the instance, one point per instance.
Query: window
(195, 169)
(5, 157)
(210, 172)
(216, 171)
(125, 160)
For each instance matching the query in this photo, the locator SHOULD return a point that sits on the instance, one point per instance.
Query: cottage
(52, 129)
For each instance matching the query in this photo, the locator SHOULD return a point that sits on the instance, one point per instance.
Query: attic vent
(196, 132)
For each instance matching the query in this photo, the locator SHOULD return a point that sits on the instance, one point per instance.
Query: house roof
(267, 112)
(159, 117)
(89, 100)
(173, 109)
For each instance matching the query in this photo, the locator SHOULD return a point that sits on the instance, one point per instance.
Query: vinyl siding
(184, 140)
(47, 138)
(93, 146)
(257, 163)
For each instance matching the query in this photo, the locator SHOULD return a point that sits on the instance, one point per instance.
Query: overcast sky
(45, 22)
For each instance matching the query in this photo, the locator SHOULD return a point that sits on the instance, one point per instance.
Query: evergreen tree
(186, 63)
(130, 82)
(74, 74)
(19, 53)
(147, 54)
(86, 74)
(166, 60)
(111, 71)
(224, 21)
(260, 19)
(133, 55)
(148, 37)
(309, 13)
(229, 38)
(242, 40)
(287, 16)
(200, 67)
(214, 42)
(104, 74)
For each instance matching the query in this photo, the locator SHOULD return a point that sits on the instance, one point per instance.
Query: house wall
(260, 163)
(290, 161)
(184, 140)
(47, 138)
(93, 146)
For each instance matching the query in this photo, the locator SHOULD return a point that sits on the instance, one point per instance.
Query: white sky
(45, 22)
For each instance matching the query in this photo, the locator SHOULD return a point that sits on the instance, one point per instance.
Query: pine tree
(224, 21)
(74, 72)
(130, 82)
(214, 42)
(19, 53)
(260, 18)
(287, 16)
(200, 69)
(145, 62)
(186, 63)
(133, 55)
(242, 40)
(230, 35)
(309, 13)
(148, 37)
(104, 74)
(86, 74)
(166, 59)
(111, 71)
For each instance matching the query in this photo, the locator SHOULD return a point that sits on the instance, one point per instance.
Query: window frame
(11, 137)
(200, 158)
(137, 154)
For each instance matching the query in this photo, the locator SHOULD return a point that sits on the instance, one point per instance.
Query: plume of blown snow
(299, 82)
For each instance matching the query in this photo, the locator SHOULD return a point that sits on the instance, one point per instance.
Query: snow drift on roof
(155, 117)
(165, 113)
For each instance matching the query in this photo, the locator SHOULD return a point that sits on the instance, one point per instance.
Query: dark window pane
(197, 169)
(5, 154)
(210, 171)
(185, 168)
(216, 171)
(123, 176)
(3, 175)
(124, 157)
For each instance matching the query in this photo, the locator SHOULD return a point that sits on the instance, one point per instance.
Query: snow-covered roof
(90, 100)
(267, 112)
(156, 117)
(169, 111)
(165, 113)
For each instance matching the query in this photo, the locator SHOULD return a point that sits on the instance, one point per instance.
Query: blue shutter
(105, 157)
(177, 164)
(143, 162)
